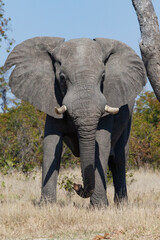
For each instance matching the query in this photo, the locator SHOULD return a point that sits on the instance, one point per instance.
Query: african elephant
(87, 88)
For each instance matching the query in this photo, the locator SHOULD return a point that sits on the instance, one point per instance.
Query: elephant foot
(121, 198)
(47, 200)
(99, 203)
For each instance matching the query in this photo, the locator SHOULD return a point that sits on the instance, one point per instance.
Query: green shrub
(145, 133)
(21, 133)
(66, 182)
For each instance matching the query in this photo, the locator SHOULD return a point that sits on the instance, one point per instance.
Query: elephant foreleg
(103, 145)
(52, 147)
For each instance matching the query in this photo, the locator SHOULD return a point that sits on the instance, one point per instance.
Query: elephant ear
(124, 73)
(33, 78)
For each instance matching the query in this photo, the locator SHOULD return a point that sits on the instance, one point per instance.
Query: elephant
(87, 88)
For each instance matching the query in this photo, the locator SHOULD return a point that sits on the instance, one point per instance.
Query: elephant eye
(62, 77)
(62, 81)
(103, 77)
(102, 81)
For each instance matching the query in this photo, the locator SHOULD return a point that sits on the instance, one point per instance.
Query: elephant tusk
(111, 110)
(61, 110)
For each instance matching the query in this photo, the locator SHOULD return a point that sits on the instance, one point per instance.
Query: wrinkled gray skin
(84, 75)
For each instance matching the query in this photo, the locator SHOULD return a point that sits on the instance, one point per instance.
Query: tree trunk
(150, 42)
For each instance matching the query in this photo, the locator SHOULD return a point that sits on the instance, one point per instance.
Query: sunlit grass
(22, 218)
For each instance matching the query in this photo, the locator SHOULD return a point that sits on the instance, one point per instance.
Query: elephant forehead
(80, 51)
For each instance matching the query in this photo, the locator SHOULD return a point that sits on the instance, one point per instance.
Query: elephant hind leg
(117, 165)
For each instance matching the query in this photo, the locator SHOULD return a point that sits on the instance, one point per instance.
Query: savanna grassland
(22, 218)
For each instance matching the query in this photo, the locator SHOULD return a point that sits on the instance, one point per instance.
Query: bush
(21, 131)
(145, 133)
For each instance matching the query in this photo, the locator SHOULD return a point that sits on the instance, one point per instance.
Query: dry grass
(21, 219)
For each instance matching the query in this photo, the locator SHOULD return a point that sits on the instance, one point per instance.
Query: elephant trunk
(87, 134)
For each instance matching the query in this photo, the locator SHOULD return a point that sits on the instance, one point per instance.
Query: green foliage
(21, 133)
(66, 182)
(4, 27)
(3, 184)
(109, 176)
(145, 134)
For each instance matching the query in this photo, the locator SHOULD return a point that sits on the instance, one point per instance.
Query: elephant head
(80, 77)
